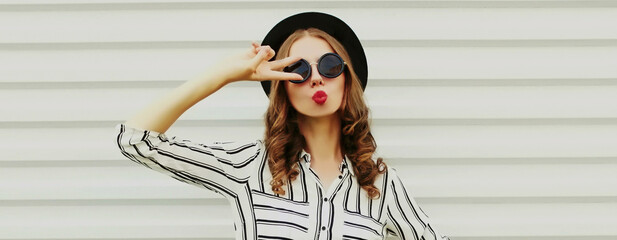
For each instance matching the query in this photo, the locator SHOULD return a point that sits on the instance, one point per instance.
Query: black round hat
(327, 23)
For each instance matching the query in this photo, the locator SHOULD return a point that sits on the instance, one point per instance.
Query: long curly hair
(283, 140)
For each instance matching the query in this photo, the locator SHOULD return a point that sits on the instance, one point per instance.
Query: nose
(316, 78)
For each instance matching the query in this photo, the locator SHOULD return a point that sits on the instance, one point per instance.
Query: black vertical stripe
(260, 173)
(430, 229)
(346, 198)
(331, 201)
(397, 226)
(253, 219)
(304, 186)
(413, 208)
(290, 188)
(330, 219)
(358, 200)
(370, 207)
(318, 211)
(400, 208)
(384, 191)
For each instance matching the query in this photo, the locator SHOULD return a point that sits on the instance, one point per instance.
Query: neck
(322, 135)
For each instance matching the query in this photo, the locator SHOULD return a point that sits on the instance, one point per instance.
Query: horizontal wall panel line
(492, 82)
(111, 124)
(41, 46)
(300, 4)
(375, 121)
(223, 201)
(24, 163)
(499, 161)
(116, 202)
(386, 63)
(570, 237)
(205, 237)
(516, 199)
(170, 84)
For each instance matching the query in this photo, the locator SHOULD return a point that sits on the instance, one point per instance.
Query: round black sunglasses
(329, 65)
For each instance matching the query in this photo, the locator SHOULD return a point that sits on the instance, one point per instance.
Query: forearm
(159, 115)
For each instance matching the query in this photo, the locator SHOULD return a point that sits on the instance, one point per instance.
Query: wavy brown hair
(283, 140)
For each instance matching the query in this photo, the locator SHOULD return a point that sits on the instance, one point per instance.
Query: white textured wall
(501, 114)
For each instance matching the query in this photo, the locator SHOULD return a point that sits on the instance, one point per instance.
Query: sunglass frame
(310, 68)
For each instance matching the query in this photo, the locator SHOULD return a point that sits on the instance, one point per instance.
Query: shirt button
(340, 176)
(323, 228)
(325, 199)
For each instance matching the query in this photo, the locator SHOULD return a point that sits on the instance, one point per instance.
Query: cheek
(292, 92)
(286, 85)
(340, 87)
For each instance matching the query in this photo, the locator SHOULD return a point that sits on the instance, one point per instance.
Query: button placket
(325, 215)
(328, 206)
(326, 195)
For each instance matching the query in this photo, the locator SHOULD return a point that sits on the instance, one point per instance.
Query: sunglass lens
(299, 67)
(331, 66)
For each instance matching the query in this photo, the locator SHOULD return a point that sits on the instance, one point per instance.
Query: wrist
(217, 77)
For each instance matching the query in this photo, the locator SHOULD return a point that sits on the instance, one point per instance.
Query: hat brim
(327, 23)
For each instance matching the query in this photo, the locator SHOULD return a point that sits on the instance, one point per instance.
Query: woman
(313, 176)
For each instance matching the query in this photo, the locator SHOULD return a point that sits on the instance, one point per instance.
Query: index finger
(281, 76)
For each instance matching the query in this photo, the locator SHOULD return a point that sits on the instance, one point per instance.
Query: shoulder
(393, 182)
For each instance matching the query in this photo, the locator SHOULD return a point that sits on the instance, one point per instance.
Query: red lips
(320, 97)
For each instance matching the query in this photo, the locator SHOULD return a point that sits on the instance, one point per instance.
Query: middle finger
(281, 63)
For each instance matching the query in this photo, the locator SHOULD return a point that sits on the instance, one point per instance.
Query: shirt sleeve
(220, 167)
(405, 217)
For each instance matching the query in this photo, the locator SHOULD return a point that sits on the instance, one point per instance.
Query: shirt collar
(345, 164)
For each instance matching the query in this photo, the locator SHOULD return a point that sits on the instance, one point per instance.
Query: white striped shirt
(239, 172)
